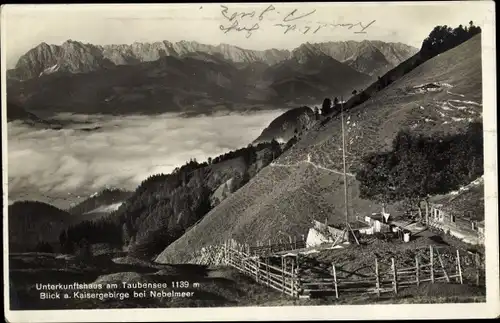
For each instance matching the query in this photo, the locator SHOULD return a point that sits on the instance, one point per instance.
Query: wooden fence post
(226, 252)
(377, 275)
(282, 274)
(335, 281)
(442, 266)
(292, 285)
(257, 269)
(417, 267)
(432, 263)
(459, 267)
(267, 271)
(395, 276)
(242, 259)
(224, 256)
(294, 242)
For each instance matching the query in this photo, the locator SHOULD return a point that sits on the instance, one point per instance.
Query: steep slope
(71, 56)
(368, 56)
(311, 75)
(369, 59)
(306, 182)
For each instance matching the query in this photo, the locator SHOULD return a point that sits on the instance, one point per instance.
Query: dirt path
(308, 161)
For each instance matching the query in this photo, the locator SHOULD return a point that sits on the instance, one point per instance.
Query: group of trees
(328, 106)
(443, 38)
(98, 231)
(316, 113)
(383, 82)
(248, 153)
(420, 166)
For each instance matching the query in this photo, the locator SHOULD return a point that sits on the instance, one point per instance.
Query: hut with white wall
(460, 213)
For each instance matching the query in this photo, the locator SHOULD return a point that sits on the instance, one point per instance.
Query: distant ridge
(77, 57)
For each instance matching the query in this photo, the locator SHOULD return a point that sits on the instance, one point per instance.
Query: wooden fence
(387, 277)
(292, 280)
(283, 279)
(267, 249)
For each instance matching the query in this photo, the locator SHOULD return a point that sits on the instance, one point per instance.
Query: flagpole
(348, 226)
(343, 159)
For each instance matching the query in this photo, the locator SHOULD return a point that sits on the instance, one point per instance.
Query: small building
(377, 222)
(460, 214)
(322, 233)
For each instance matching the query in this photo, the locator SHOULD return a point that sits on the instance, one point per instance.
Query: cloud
(124, 151)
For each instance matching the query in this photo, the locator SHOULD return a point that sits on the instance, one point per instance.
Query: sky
(26, 26)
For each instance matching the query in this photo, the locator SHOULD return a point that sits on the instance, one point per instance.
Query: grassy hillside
(443, 94)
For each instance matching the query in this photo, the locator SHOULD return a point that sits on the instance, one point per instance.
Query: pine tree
(326, 107)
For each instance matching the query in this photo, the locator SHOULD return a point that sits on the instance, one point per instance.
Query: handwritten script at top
(287, 20)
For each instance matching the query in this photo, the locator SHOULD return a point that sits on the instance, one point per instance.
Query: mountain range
(369, 57)
(152, 78)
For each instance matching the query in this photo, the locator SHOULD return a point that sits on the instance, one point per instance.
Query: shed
(378, 222)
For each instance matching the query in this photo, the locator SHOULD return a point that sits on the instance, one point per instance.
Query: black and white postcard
(256, 161)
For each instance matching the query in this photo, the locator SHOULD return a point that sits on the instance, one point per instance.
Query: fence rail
(281, 279)
(291, 280)
(277, 247)
(391, 280)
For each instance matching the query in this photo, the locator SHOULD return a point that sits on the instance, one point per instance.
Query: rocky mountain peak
(77, 57)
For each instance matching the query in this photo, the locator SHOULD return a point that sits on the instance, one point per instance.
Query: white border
(436, 311)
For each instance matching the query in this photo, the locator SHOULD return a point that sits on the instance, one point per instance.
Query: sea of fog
(65, 166)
